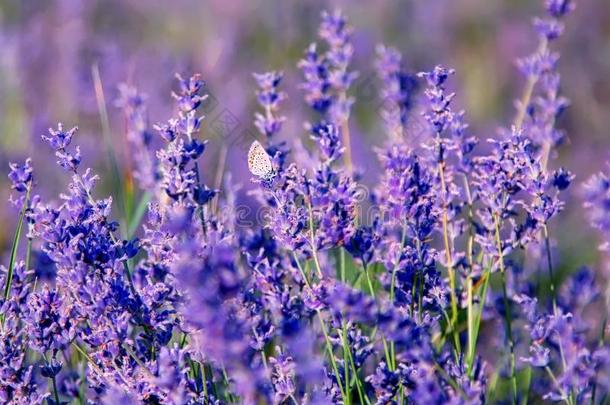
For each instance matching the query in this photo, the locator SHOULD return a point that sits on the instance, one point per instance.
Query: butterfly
(259, 162)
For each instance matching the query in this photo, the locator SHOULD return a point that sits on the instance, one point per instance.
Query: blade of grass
(138, 214)
(121, 189)
(14, 249)
(477, 319)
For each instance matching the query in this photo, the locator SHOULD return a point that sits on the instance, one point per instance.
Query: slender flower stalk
(507, 316)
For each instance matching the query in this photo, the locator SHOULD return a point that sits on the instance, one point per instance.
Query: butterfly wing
(259, 161)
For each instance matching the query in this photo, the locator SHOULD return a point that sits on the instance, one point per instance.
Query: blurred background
(49, 51)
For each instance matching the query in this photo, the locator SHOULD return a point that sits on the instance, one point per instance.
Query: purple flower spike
(21, 176)
(397, 91)
(59, 140)
(145, 169)
(559, 8)
(269, 98)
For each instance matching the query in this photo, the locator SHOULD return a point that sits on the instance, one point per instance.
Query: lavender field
(262, 202)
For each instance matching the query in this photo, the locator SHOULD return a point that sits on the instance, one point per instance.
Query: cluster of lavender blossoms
(447, 293)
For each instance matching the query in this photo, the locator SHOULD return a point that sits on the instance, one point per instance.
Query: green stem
(389, 358)
(477, 319)
(55, 393)
(313, 240)
(329, 349)
(507, 312)
(204, 380)
(550, 266)
(561, 391)
(342, 264)
(471, 350)
(363, 398)
(28, 254)
(554, 293)
(346, 352)
(470, 320)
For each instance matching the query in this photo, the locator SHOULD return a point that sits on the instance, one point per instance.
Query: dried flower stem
(449, 258)
(529, 90)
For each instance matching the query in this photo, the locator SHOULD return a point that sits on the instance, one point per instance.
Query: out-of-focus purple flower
(559, 8)
(601, 358)
(169, 377)
(269, 98)
(397, 91)
(547, 105)
(562, 179)
(139, 137)
(597, 204)
(211, 281)
(327, 78)
(317, 85)
(329, 141)
(579, 290)
(362, 244)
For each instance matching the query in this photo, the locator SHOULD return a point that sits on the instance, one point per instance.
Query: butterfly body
(259, 162)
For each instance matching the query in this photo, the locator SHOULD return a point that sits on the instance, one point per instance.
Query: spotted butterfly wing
(259, 161)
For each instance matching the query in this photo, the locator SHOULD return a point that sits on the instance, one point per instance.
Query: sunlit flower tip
(168, 131)
(58, 138)
(189, 97)
(438, 76)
